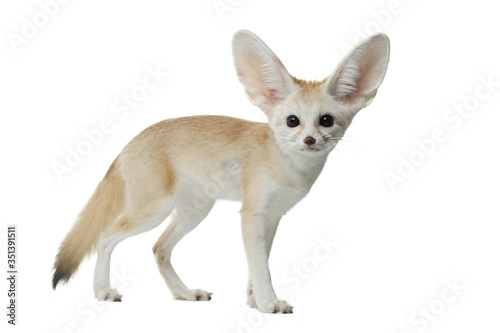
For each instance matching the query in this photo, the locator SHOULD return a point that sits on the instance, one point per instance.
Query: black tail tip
(58, 277)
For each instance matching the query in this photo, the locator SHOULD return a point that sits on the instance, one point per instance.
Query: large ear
(265, 79)
(356, 79)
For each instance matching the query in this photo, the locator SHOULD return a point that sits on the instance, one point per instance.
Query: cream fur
(268, 167)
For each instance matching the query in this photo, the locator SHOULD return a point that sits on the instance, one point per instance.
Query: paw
(251, 302)
(277, 306)
(108, 294)
(193, 295)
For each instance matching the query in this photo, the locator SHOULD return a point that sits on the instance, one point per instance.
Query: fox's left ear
(356, 79)
(262, 74)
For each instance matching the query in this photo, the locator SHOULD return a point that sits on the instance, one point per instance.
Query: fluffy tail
(101, 210)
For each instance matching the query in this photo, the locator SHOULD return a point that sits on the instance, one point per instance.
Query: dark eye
(326, 120)
(292, 121)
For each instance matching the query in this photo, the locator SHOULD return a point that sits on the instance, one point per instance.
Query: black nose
(309, 140)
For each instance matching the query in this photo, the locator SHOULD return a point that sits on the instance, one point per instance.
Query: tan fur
(99, 213)
(172, 139)
(308, 86)
(145, 161)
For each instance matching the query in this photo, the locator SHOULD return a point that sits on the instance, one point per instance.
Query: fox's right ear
(361, 72)
(265, 79)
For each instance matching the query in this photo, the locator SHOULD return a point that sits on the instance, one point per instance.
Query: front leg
(270, 231)
(257, 242)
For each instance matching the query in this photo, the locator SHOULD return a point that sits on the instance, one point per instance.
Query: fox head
(309, 118)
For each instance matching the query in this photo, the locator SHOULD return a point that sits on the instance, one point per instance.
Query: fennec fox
(269, 167)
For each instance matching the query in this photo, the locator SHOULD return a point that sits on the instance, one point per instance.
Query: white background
(397, 247)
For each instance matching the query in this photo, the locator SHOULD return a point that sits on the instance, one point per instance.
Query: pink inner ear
(273, 93)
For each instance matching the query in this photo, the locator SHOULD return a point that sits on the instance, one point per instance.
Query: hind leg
(133, 222)
(182, 223)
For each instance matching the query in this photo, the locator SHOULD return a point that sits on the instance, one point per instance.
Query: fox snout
(309, 140)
